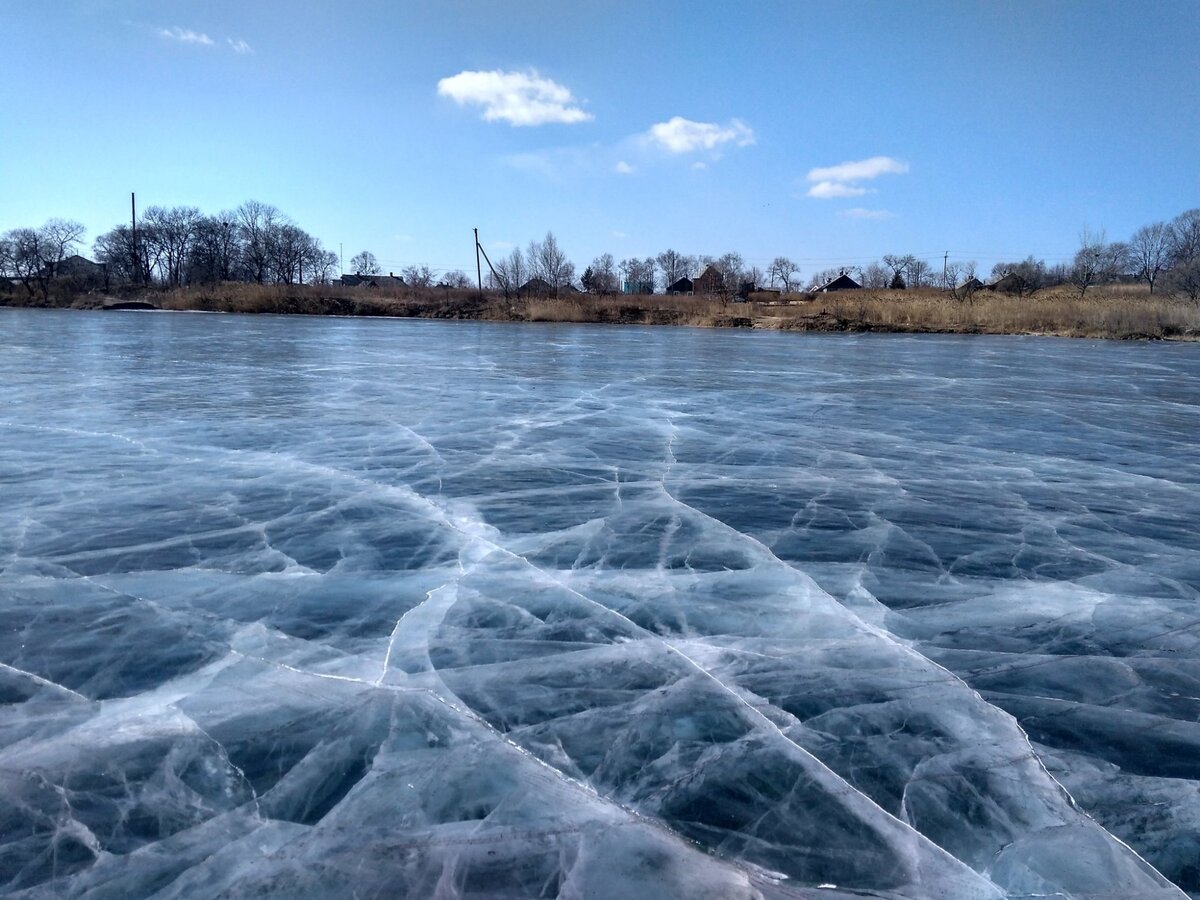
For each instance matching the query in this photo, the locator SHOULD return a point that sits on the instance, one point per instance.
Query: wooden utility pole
(133, 236)
(945, 262)
(478, 270)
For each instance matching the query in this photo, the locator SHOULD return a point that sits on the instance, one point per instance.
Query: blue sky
(992, 130)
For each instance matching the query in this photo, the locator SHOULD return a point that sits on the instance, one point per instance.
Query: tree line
(1162, 255)
(175, 246)
(255, 242)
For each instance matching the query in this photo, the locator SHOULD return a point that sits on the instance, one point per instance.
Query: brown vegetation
(1118, 311)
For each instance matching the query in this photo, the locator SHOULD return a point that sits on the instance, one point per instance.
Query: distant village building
(374, 281)
(842, 283)
(710, 281)
(537, 287)
(682, 287)
(637, 287)
(1008, 283)
(77, 267)
(969, 286)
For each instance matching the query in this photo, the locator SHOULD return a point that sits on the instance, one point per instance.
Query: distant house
(842, 283)
(374, 281)
(710, 281)
(537, 287)
(970, 285)
(637, 287)
(75, 267)
(682, 287)
(1008, 283)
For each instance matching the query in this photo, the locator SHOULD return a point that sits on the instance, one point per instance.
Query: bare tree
(511, 272)
(60, 239)
(918, 272)
(1184, 277)
(1150, 249)
(115, 249)
(782, 271)
(603, 279)
(257, 223)
(27, 254)
(1185, 236)
(899, 267)
(417, 276)
(673, 266)
(365, 263)
(733, 273)
(1088, 265)
(875, 276)
(455, 278)
(547, 261)
(169, 234)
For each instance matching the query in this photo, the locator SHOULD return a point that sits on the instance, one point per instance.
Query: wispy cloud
(680, 135)
(832, 190)
(239, 46)
(858, 212)
(185, 36)
(831, 182)
(624, 168)
(519, 98)
(861, 170)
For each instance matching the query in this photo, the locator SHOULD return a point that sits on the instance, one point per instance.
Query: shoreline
(1106, 314)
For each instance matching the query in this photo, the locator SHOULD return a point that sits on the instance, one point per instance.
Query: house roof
(842, 283)
(683, 284)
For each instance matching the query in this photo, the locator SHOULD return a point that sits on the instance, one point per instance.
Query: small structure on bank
(374, 281)
(710, 281)
(843, 282)
(681, 288)
(1007, 283)
(77, 267)
(536, 287)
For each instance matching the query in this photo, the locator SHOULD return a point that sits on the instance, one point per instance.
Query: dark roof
(682, 285)
(536, 284)
(372, 281)
(842, 283)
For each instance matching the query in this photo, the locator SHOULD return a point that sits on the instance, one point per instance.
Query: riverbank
(1120, 312)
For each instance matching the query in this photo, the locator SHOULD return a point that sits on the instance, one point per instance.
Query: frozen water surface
(314, 607)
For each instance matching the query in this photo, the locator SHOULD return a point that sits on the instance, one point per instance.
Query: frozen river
(313, 607)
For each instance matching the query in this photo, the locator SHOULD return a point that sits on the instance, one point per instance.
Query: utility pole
(945, 263)
(478, 270)
(133, 236)
(341, 259)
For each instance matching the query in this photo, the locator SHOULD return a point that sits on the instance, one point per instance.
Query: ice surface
(303, 607)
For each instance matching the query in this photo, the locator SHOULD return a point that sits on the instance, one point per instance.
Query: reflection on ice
(303, 608)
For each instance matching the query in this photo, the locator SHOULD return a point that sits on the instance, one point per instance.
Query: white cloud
(619, 234)
(830, 190)
(624, 168)
(699, 165)
(519, 98)
(859, 213)
(680, 135)
(239, 46)
(860, 170)
(185, 36)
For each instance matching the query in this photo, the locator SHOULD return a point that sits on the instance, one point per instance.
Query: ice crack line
(44, 682)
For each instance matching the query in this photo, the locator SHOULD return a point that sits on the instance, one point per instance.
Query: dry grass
(1125, 311)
